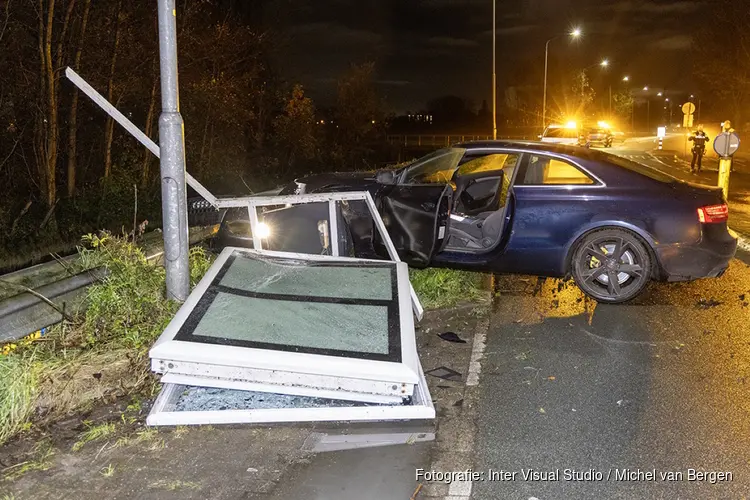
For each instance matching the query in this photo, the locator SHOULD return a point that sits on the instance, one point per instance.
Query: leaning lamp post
(574, 34)
(172, 160)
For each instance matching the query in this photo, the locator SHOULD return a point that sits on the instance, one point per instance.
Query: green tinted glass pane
(339, 327)
(296, 278)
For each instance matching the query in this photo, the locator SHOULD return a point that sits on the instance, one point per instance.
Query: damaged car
(610, 223)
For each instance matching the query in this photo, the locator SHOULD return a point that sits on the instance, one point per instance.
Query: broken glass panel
(333, 308)
(212, 399)
(291, 323)
(274, 276)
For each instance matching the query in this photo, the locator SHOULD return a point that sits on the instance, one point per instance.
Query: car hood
(334, 181)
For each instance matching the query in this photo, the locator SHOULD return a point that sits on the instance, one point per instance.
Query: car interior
(481, 192)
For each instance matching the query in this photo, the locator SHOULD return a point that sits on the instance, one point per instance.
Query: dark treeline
(67, 169)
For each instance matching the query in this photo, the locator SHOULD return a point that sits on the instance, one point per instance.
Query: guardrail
(26, 313)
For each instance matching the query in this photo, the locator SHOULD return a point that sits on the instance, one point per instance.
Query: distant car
(519, 207)
(619, 135)
(596, 137)
(560, 134)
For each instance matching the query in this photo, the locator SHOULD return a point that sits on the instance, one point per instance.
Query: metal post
(544, 99)
(494, 78)
(610, 101)
(172, 160)
(648, 114)
(698, 119)
(725, 166)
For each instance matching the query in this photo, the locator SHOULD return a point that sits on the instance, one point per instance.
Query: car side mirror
(385, 177)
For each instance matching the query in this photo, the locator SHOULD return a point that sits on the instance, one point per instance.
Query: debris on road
(445, 373)
(706, 304)
(451, 337)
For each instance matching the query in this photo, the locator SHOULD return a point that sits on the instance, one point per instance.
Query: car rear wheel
(611, 265)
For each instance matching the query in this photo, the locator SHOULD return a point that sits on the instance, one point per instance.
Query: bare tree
(145, 167)
(722, 57)
(110, 125)
(73, 116)
(47, 124)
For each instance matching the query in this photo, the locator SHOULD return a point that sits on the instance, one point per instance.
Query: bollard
(725, 166)
(726, 144)
(661, 143)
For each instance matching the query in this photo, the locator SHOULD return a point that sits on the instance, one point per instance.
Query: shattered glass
(299, 305)
(300, 278)
(209, 399)
(341, 327)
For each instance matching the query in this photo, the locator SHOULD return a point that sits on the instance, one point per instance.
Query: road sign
(688, 108)
(726, 144)
(661, 132)
(687, 121)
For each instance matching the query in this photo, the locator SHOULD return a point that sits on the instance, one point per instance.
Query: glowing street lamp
(625, 78)
(575, 33)
(604, 63)
(645, 89)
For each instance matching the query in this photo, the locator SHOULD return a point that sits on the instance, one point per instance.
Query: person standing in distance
(699, 140)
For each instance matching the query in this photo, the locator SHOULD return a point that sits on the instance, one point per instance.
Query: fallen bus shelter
(274, 336)
(292, 338)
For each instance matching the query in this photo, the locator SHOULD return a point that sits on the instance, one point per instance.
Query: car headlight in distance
(263, 230)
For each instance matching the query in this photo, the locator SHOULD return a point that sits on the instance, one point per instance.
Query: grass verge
(103, 352)
(446, 287)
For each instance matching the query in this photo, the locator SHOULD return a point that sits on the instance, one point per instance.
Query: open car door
(416, 216)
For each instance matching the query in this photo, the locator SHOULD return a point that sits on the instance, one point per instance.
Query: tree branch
(41, 297)
(7, 16)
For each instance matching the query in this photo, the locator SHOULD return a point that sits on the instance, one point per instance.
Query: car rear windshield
(639, 168)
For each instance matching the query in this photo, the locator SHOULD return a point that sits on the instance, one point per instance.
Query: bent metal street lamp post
(575, 34)
(172, 160)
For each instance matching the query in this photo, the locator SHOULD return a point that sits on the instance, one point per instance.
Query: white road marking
(477, 351)
(459, 489)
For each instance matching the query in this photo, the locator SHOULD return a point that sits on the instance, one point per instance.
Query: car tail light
(712, 214)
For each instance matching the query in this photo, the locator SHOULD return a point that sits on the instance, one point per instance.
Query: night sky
(425, 49)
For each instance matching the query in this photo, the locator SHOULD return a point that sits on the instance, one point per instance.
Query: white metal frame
(163, 412)
(371, 380)
(253, 202)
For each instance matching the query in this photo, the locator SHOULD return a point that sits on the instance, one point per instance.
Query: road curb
(743, 242)
(458, 457)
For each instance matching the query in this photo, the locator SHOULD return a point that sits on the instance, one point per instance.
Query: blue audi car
(520, 207)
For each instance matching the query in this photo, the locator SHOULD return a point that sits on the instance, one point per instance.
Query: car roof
(531, 145)
(542, 147)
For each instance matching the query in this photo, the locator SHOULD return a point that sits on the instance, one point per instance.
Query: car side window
(545, 170)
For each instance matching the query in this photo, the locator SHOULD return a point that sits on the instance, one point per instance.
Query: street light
(645, 89)
(604, 63)
(494, 78)
(658, 94)
(575, 33)
(625, 78)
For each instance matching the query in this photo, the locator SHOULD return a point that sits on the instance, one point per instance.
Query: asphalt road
(661, 384)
